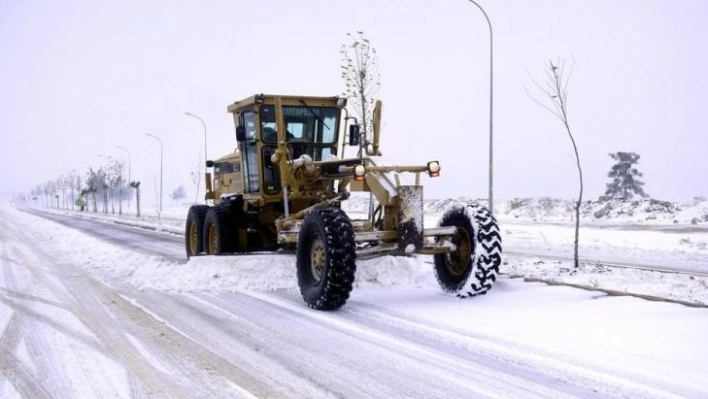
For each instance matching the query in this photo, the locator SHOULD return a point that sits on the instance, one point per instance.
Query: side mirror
(240, 133)
(354, 135)
(209, 164)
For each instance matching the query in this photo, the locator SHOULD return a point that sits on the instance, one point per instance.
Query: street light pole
(160, 141)
(205, 146)
(491, 107)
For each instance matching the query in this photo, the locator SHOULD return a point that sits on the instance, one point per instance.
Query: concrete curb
(610, 292)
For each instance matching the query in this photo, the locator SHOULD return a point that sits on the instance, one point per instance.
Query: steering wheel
(298, 146)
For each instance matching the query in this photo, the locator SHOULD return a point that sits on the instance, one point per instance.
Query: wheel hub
(458, 260)
(317, 259)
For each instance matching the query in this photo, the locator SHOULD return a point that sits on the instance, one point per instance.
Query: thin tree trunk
(580, 199)
(561, 99)
(137, 197)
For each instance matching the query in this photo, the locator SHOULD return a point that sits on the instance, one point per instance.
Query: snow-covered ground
(522, 339)
(529, 226)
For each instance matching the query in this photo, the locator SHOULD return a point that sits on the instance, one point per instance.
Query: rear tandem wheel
(220, 233)
(193, 235)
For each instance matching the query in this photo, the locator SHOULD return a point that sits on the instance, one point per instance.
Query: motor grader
(282, 189)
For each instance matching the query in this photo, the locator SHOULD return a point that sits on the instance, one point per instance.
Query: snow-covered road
(80, 317)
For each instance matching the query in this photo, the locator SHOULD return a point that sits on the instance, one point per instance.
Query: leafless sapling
(555, 92)
(360, 72)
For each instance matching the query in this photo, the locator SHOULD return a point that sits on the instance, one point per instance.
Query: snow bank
(646, 210)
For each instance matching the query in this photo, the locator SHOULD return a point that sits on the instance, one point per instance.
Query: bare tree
(50, 190)
(114, 175)
(106, 188)
(555, 88)
(360, 71)
(60, 184)
(95, 181)
(71, 185)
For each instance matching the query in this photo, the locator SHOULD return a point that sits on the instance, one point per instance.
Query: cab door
(249, 153)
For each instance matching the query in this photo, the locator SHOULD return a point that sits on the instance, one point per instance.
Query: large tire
(477, 253)
(194, 230)
(220, 232)
(326, 258)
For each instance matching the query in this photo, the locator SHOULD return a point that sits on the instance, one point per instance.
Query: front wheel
(326, 258)
(477, 251)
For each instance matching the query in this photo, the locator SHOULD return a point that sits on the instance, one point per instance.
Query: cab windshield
(303, 124)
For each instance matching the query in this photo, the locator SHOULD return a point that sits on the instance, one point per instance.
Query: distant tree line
(103, 188)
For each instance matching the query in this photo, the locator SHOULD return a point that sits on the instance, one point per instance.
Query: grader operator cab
(282, 189)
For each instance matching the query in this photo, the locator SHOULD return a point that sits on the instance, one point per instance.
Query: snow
(614, 241)
(588, 331)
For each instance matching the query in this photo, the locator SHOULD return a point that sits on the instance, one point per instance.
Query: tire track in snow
(26, 382)
(183, 355)
(90, 301)
(111, 343)
(22, 379)
(108, 327)
(12, 333)
(107, 332)
(47, 367)
(48, 370)
(235, 343)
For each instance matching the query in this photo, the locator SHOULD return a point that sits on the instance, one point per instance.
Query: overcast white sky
(78, 78)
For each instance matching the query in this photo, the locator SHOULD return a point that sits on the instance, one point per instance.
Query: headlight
(434, 168)
(359, 172)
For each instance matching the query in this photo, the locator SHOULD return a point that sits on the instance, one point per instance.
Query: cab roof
(312, 101)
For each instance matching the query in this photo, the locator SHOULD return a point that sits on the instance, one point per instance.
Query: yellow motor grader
(283, 186)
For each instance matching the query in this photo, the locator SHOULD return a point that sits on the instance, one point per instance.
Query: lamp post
(160, 141)
(491, 106)
(205, 145)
